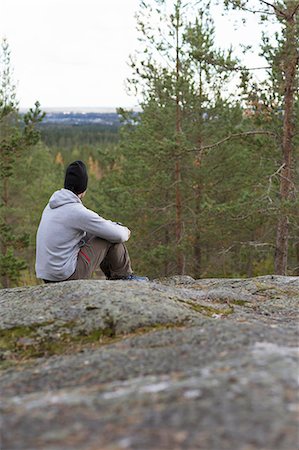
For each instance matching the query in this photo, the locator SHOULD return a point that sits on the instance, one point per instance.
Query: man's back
(64, 223)
(58, 237)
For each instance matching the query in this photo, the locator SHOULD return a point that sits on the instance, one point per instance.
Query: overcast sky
(68, 53)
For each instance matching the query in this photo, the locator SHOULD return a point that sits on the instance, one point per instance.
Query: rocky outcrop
(173, 364)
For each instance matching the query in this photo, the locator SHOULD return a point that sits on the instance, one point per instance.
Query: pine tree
(180, 83)
(283, 74)
(17, 135)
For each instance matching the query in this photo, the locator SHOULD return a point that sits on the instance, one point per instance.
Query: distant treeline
(79, 118)
(66, 136)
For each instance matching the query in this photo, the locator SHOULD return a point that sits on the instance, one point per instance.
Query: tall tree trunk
(297, 259)
(180, 260)
(290, 63)
(199, 187)
(197, 235)
(4, 278)
(178, 228)
(167, 262)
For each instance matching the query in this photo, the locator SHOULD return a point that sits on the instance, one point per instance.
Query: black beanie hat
(76, 177)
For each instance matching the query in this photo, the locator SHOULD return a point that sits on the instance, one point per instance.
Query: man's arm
(96, 225)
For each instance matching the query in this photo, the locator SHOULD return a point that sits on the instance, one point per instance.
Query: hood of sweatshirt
(62, 197)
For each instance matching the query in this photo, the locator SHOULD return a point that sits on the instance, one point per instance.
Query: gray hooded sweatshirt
(64, 223)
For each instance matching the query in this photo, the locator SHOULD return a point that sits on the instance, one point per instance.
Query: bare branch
(245, 243)
(254, 11)
(278, 11)
(254, 68)
(270, 182)
(226, 250)
(232, 136)
(295, 11)
(239, 68)
(257, 244)
(278, 172)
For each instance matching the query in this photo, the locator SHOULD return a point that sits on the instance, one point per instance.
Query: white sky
(68, 53)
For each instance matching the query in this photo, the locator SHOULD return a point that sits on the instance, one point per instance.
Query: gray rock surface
(172, 364)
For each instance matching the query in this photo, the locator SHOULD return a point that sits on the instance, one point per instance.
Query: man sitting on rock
(73, 241)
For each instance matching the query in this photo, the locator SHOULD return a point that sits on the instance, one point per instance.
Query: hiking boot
(131, 277)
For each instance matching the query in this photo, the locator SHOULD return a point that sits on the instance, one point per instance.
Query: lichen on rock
(175, 363)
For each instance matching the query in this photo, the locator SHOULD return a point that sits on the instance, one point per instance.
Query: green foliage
(10, 265)
(15, 140)
(152, 147)
(65, 138)
(194, 158)
(8, 101)
(273, 106)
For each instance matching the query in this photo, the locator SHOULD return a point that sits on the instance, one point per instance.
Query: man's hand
(129, 231)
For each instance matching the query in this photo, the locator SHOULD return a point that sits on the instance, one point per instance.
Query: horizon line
(99, 109)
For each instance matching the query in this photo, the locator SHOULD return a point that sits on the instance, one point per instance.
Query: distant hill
(103, 116)
(80, 109)
(81, 118)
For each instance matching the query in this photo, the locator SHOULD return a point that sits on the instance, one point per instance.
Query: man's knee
(98, 243)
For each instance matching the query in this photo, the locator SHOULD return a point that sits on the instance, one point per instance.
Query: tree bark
(197, 235)
(297, 259)
(180, 260)
(4, 278)
(289, 68)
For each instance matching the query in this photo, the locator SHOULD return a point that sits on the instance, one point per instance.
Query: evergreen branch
(250, 214)
(254, 11)
(256, 244)
(249, 68)
(295, 10)
(232, 136)
(278, 11)
(154, 231)
(233, 68)
(245, 243)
